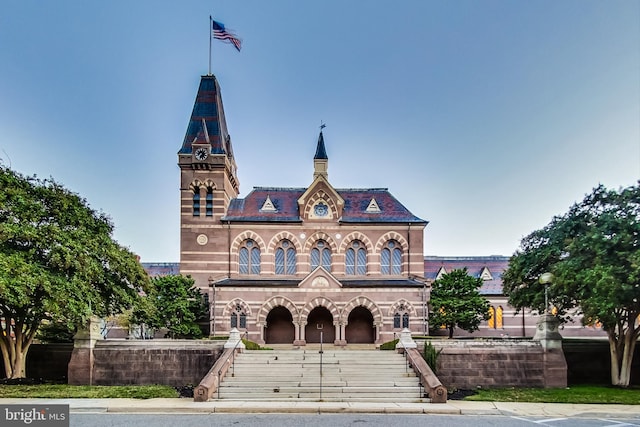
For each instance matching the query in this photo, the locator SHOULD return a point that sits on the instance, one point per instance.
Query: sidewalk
(453, 407)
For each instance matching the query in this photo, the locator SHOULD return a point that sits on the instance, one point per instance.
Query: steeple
(208, 110)
(320, 160)
(206, 159)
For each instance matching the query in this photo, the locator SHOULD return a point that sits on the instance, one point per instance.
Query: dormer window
(268, 206)
(485, 274)
(373, 207)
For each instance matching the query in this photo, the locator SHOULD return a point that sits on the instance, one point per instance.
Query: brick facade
(256, 258)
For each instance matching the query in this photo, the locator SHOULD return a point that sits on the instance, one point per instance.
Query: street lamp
(212, 307)
(546, 279)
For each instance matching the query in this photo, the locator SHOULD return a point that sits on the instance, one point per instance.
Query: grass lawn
(59, 391)
(574, 394)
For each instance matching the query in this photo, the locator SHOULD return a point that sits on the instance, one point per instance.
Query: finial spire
(320, 160)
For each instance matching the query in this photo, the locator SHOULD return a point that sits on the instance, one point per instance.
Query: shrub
(430, 355)
(389, 345)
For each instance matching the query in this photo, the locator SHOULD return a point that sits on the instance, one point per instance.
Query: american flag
(220, 33)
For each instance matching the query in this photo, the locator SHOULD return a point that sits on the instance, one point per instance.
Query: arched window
(356, 259)
(402, 315)
(491, 323)
(239, 318)
(321, 255)
(285, 258)
(196, 201)
(209, 205)
(391, 258)
(499, 317)
(249, 262)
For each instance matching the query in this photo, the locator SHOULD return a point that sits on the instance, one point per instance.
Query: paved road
(335, 420)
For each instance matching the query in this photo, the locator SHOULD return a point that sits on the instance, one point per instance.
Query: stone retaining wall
(166, 362)
(466, 364)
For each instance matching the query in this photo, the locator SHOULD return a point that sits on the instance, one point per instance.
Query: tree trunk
(451, 332)
(5, 358)
(621, 348)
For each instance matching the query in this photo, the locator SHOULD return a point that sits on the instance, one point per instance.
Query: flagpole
(210, 29)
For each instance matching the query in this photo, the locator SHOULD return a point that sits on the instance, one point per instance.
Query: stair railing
(321, 353)
(231, 358)
(404, 352)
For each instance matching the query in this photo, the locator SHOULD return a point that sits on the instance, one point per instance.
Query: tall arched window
(239, 318)
(356, 259)
(321, 255)
(401, 315)
(196, 201)
(499, 317)
(285, 258)
(249, 262)
(209, 205)
(391, 258)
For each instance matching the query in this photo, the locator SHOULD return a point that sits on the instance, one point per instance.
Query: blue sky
(485, 118)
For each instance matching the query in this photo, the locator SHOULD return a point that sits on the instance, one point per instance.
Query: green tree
(593, 251)
(456, 302)
(58, 262)
(174, 303)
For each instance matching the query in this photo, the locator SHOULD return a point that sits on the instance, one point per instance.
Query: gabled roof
(285, 200)
(475, 266)
(208, 109)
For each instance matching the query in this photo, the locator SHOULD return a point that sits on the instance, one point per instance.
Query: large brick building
(285, 264)
(288, 265)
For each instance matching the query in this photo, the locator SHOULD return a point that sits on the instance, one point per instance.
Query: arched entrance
(320, 316)
(359, 329)
(279, 328)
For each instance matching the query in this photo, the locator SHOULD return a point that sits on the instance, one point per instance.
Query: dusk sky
(485, 118)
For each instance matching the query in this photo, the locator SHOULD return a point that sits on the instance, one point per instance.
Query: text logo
(34, 415)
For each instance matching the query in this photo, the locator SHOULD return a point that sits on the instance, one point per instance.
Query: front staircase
(347, 375)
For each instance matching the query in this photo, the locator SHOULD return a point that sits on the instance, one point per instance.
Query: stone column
(80, 368)
(339, 341)
(300, 334)
(555, 364)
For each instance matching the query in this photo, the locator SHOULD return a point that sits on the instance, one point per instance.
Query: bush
(430, 355)
(389, 345)
(55, 332)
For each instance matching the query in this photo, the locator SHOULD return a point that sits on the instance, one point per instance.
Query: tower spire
(320, 160)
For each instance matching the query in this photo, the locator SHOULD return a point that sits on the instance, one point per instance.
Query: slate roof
(155, 269)
(285, 201)
(496, 265)
(207, 106)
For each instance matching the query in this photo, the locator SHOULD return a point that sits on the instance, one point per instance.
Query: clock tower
(208, 171)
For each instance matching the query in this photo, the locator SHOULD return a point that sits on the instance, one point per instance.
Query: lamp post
(546, 279)
(212, 307)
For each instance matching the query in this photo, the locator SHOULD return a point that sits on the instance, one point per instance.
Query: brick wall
(471, 364)
(166, 362)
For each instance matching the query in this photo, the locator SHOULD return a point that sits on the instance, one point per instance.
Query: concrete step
(347, 375)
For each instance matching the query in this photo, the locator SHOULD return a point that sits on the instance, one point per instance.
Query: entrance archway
(279, 328)
(320, 316)
(359, 329)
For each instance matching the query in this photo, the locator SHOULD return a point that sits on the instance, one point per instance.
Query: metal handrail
(404, 351)
(232, 356)
(321, 353)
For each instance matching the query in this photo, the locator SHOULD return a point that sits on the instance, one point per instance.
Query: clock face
(201, 153)
(321, 209)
